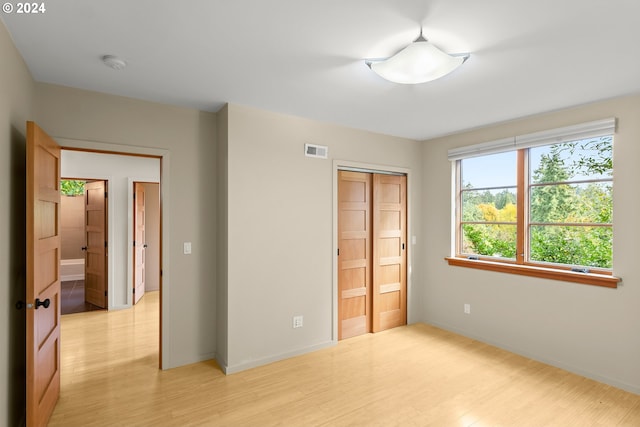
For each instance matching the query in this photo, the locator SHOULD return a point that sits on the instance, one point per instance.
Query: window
(489, 207)
(539, 204)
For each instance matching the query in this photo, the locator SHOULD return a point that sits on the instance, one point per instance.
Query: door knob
(84, 248)
(145, 246)
(44, 303)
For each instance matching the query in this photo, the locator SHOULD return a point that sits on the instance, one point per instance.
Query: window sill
(535, 271)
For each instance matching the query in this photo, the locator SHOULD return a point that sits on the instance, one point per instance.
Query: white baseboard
(266, 360)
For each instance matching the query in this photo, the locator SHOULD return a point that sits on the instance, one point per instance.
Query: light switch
(187, 248)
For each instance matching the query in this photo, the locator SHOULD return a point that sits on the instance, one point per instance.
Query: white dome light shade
(419, 62)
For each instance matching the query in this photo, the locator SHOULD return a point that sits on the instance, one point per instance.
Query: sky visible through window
(499, 170)
(495, 170)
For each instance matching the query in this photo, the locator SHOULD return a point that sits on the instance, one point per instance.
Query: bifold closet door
(389, 252)
(354, 254)
(372, 261)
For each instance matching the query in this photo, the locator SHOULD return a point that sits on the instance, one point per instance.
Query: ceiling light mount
(114, 62)
(419, 62)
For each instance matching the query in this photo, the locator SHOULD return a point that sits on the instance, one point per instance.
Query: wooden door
(354, 253)
(389, 251)
(139, 241)
(43, 275)
(95, 278)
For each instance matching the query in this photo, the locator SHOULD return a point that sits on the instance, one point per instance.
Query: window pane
(495, 170)
(581, 246)
(590, 202)
(489, 240)
(498, 205)
(572, 161)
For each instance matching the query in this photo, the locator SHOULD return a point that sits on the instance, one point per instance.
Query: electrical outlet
(467, 309)
(297, 321)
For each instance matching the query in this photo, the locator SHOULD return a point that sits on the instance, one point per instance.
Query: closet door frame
(376, 169)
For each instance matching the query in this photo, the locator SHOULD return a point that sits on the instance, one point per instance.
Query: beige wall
(189, 332)
(280, 229)
(17, 91)
(585, 329)
(72, 227)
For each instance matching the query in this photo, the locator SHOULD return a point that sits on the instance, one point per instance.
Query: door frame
(165, 271)
(369, 168)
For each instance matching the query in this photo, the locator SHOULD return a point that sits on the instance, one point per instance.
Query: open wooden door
(354, 254)
(139, 241)
(389, 251)
(95, 215)
(43, 275)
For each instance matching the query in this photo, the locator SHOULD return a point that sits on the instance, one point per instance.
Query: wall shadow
(17, 289)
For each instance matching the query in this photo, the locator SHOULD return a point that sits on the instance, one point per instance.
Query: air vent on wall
(319, 151)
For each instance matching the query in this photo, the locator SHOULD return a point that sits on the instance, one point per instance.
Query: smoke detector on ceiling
(114, 62)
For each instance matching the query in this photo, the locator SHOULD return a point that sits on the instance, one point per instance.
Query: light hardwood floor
(409, 376)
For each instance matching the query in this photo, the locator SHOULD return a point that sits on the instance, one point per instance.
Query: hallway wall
(17, 99)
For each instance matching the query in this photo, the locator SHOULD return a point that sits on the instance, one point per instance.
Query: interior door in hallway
(389, 251)
(95, 282)
(43, 275)
(354, 257)
(139, 241)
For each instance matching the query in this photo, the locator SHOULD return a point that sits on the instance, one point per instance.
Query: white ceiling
(305, 57)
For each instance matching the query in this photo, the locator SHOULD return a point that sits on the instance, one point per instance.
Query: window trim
(520, 144)
(586, 130)
(597, 279)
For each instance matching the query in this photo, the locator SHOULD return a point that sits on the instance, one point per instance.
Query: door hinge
(106, 194)
(134, 290)
(160, 273)
(338, 251)
(105, 293)
(134, 195)
(134, 243)
(105, 243)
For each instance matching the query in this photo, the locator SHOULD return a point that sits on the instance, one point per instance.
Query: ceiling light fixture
(420, 62)
(114, 62)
